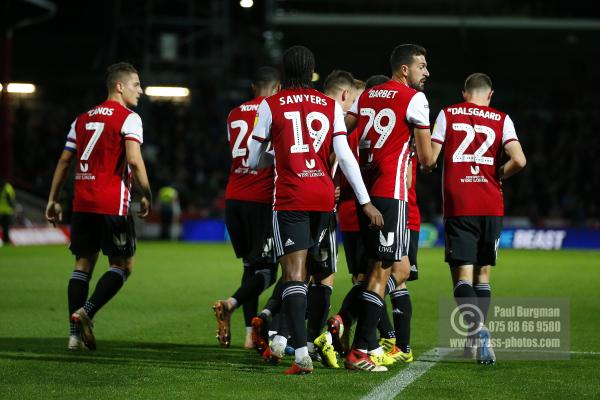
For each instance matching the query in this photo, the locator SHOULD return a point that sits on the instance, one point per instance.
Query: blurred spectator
(7, 208)
(168, 198)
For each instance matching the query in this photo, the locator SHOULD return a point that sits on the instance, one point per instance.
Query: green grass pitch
(156, 337)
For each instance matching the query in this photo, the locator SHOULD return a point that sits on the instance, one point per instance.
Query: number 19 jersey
(301, 124)
(473, 138)
(102, 176)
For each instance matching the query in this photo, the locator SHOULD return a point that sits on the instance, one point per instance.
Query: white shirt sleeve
(417, 112)
(71, 143)
(264, 120)
(260, 136)
(350, 168)
(508, 131)
(439, 128)
(339, 127)
(132, 128)
(354, 107)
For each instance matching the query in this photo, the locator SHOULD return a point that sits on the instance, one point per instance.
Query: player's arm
(438, 136)
(516, 162)
(417, 113)
(513, 149)
(53, 208)
(424, 149)
(258, 156)
(135, 160)
(351, 117)
(133, 134)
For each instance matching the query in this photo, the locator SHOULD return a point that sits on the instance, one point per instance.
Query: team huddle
(349, 156)
(303, 163)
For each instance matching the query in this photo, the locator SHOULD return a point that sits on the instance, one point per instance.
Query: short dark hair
(477, 81)
(403, 55)
(298, 67)
(265, 76)
(376, 80)
(336, 81)
(115, 73)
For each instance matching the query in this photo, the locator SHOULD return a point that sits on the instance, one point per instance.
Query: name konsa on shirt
(249, 107)
(474, 111)
(299, 98)
(101, 111)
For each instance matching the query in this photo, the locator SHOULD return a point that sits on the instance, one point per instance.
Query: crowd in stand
(186, 146)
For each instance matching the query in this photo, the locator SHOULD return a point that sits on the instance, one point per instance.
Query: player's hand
(427, 170)
(336, 194)
(374, 216)
(53, 212)
(145, 207)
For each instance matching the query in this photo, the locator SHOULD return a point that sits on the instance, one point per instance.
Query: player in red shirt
(474, 136)
(105, 144)
(303, 126)
(385, 116)
(248, 212)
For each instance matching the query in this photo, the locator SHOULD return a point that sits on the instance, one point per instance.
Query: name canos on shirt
(299, 98)
(101, 111)
(474, 111)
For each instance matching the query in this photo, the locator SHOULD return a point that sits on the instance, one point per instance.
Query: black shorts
(413, 249)
(356, 256)
(391, 242)
(472, 240)
(301, 230)
(113, 234)
(250, 230)
(324, 261)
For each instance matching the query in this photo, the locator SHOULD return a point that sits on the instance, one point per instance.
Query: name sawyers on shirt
(248, 107)
(101, 111)
(474, 111)
(383, 93)
(299, 98)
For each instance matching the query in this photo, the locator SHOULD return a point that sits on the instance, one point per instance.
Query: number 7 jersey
(102, 176)
(301, 124)
(473, 137)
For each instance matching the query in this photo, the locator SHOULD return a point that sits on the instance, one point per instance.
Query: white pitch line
(391, 387)
(394, 385)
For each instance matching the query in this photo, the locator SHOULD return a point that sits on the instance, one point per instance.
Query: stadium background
(538, 53)
(156, 339)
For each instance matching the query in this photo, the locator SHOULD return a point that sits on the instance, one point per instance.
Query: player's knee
(268, 274)
(123, 264)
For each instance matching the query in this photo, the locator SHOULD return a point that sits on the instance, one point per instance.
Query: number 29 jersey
(473, 137)
(102, 176)
(301, 124)
(386, 115)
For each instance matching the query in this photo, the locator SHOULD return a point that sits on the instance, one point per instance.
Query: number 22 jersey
(102, 176)
(473, 138)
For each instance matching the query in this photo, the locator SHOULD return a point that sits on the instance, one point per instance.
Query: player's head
(409, 65)
(478, 88)
(339, 85)
(298, 67)
(376, 80)
(123, 82)
(266, 81)
(359, 87)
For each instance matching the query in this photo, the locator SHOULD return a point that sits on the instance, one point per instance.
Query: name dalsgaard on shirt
(474, 111)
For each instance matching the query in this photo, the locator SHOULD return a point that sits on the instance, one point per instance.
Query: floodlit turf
(156, 338)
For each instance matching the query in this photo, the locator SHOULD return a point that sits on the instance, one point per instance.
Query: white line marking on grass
(397, 383)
